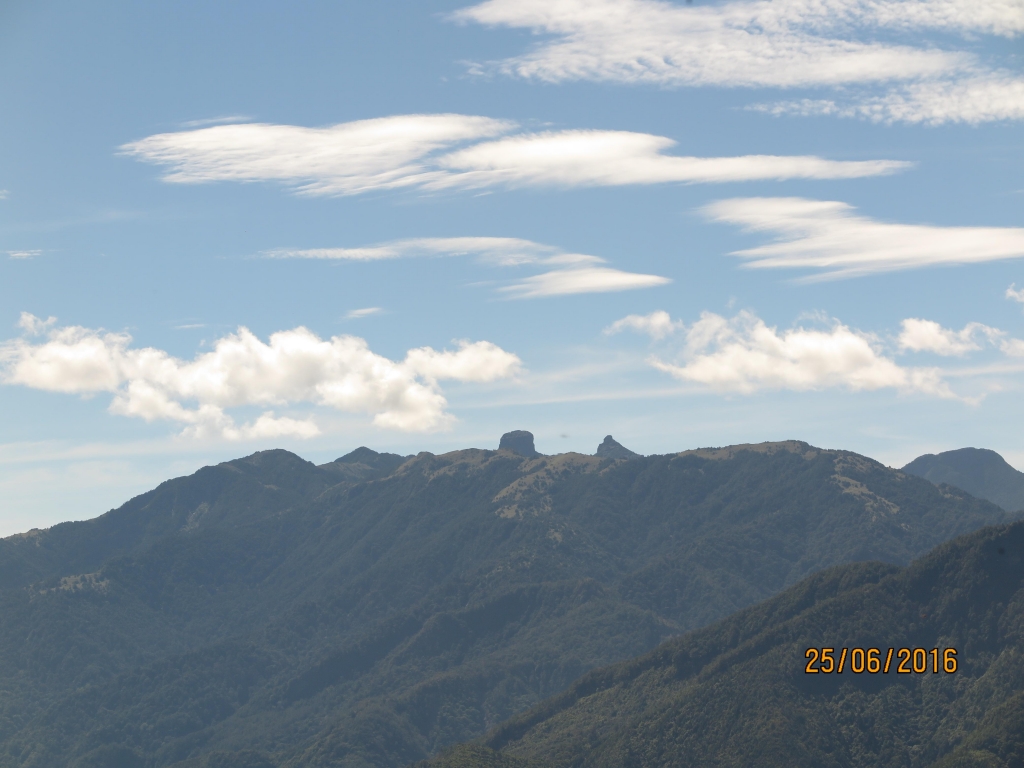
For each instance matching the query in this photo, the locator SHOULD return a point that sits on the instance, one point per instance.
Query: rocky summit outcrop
(610, 448)
(520, 442)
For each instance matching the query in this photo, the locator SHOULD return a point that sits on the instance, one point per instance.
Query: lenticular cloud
(828, 236)
(294, 366)
(445, 151)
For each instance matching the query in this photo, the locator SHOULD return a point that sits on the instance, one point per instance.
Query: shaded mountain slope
(229, 494)
(266, 610)
(980, 472)
(736, 693)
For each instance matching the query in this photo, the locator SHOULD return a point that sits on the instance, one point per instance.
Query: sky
(227, 227)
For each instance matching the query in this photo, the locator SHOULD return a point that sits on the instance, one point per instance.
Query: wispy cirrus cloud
(355, 314)
(292, 367)
(828, 236)
(906, 76)
(24, 254)
(1015, 295)
(216, 121)
(568, 273)
(446, 151)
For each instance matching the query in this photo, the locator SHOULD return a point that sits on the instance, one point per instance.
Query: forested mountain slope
(737, 693)
(373, 610)
(979, 471)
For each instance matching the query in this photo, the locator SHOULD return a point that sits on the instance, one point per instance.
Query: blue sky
(416, 225)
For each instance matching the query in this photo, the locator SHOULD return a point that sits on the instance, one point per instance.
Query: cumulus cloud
(294, 366)
(928, 336)
(743, 354)
(775, 44)
(828, 236)
(33, 325)
(437, 152)
(570, 273)
(657, 325)
(1015, 295)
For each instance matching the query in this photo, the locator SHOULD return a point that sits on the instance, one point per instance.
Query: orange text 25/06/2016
(875, 660)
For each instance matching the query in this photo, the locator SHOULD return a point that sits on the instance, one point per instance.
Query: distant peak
(979, 471)
(270, 457)
(612, 449)
(518, 441)
(361, 455)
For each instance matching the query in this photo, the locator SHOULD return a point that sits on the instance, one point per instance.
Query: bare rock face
(612, 449)
(519, 441)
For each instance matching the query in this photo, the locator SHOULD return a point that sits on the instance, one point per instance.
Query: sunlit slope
(374, 610)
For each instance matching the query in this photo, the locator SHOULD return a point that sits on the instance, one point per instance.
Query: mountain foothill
(504, 608)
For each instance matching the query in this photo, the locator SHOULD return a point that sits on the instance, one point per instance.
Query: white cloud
(30, 254)
(560, 282)
(928, 336)
(33, 325)
(614, 158)
(743, 354)
(828, 236)
(343, 159)
(978, 99)
(355, 314)
(4, 194)
(1014, 295)
(430, 152)
(296, 366)
(776, 44)
(572, 273)
(657, 325)
(500, 250)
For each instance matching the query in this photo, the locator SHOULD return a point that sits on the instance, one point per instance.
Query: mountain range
(376, 609)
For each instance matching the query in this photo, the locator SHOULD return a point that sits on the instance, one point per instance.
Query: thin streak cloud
(572, 273)
(828, 236)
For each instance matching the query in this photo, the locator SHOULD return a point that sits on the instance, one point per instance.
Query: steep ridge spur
(372, 612)
(737, 693)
